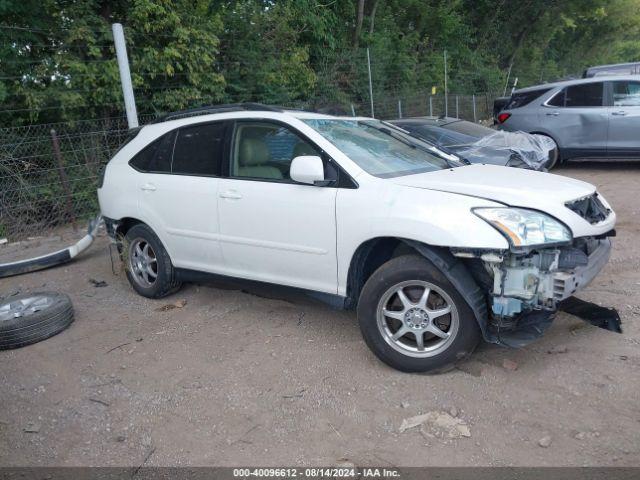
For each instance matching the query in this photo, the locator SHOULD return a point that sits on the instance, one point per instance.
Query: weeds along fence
(49, 173)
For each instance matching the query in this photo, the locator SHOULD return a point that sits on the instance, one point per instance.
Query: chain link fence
(49, 173)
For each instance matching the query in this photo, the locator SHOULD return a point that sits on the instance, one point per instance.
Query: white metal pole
(515, 84)
(506, 84)
(125, 75)
(399, 108)
(457, 108)
(446, 91)
(370, 82)
(431, 105)
(353, 110)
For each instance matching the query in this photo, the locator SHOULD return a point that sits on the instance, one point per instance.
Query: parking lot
(214, 375)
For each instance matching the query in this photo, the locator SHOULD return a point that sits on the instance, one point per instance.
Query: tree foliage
(57, 59)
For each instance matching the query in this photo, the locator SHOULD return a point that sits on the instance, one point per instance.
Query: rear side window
(520, 99)
(584, 95)
(557, 100)
(156, 157)
(199, 150)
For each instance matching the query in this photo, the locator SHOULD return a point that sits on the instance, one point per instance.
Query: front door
(273, 229)
(624, 120)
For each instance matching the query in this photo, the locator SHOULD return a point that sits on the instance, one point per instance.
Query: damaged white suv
(434, 255)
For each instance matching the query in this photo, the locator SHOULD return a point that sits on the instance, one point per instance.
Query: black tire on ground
(415, 268)
(38, 321)
(166, 282)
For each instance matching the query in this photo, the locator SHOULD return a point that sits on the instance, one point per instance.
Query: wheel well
(367, 258)
(125, 224)
(547, 135)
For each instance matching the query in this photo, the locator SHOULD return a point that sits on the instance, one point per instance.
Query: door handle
(148, 187)
(620, 113)
(231, 195)
(553, 114)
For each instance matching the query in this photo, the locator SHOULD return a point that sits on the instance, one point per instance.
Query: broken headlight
(525, 228)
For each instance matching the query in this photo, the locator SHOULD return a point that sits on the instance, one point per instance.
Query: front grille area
(590, 208)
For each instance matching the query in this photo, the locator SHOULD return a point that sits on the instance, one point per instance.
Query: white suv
(433, 255)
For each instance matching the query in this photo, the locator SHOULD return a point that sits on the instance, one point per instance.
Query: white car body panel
(279, 233)
(305, 236)
(380, 208)
(186, 224)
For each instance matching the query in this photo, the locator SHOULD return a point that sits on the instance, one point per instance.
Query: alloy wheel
(143, 262)
(417, 318)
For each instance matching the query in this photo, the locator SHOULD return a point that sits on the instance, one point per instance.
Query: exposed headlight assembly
(525, 228)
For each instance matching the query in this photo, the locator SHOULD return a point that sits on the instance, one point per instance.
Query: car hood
(514, 187)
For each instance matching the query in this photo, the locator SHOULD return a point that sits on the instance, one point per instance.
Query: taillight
(503, 117)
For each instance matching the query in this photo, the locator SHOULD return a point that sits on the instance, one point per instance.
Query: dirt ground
(233, 378)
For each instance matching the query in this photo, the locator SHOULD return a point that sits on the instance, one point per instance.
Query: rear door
(577, 118)
(178, 195)
(624, 120)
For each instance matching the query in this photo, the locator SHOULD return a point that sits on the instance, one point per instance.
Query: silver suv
(596, 118)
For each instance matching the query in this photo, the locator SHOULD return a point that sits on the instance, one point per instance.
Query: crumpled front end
(524, 289)
(540, 280)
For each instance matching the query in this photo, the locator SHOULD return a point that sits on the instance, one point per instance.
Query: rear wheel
(148, 266)
(414, 319)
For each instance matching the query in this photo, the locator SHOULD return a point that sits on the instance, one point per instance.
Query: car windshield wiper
(398, 136)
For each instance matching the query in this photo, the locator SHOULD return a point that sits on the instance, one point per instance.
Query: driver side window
(265, 150)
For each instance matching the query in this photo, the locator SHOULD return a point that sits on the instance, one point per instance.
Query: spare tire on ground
(33, 317)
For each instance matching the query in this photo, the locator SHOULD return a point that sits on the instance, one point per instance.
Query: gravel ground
(234, 378)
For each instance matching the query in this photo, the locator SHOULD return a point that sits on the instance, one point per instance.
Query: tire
(147, 263)
(40, 316)
(413, 274)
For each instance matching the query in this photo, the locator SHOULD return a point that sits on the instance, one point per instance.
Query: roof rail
(209, 109)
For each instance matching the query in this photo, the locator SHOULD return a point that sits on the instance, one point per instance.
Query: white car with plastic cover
(432, 254)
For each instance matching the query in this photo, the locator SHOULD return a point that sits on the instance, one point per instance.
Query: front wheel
(414, 319)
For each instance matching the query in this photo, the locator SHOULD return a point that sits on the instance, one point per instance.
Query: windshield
(469, 128)
(441, 136)
(378, 148)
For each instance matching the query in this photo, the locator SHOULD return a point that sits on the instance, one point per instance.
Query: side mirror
(307, 169)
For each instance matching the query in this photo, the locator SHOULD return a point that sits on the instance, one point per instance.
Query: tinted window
(265, 150)
(585, 95)
(156, 157)
(520, 99)
(199, 149)
(626, 94)
(557, 100)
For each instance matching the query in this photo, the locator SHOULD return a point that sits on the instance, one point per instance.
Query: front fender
(439, 219)
(462, 280)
